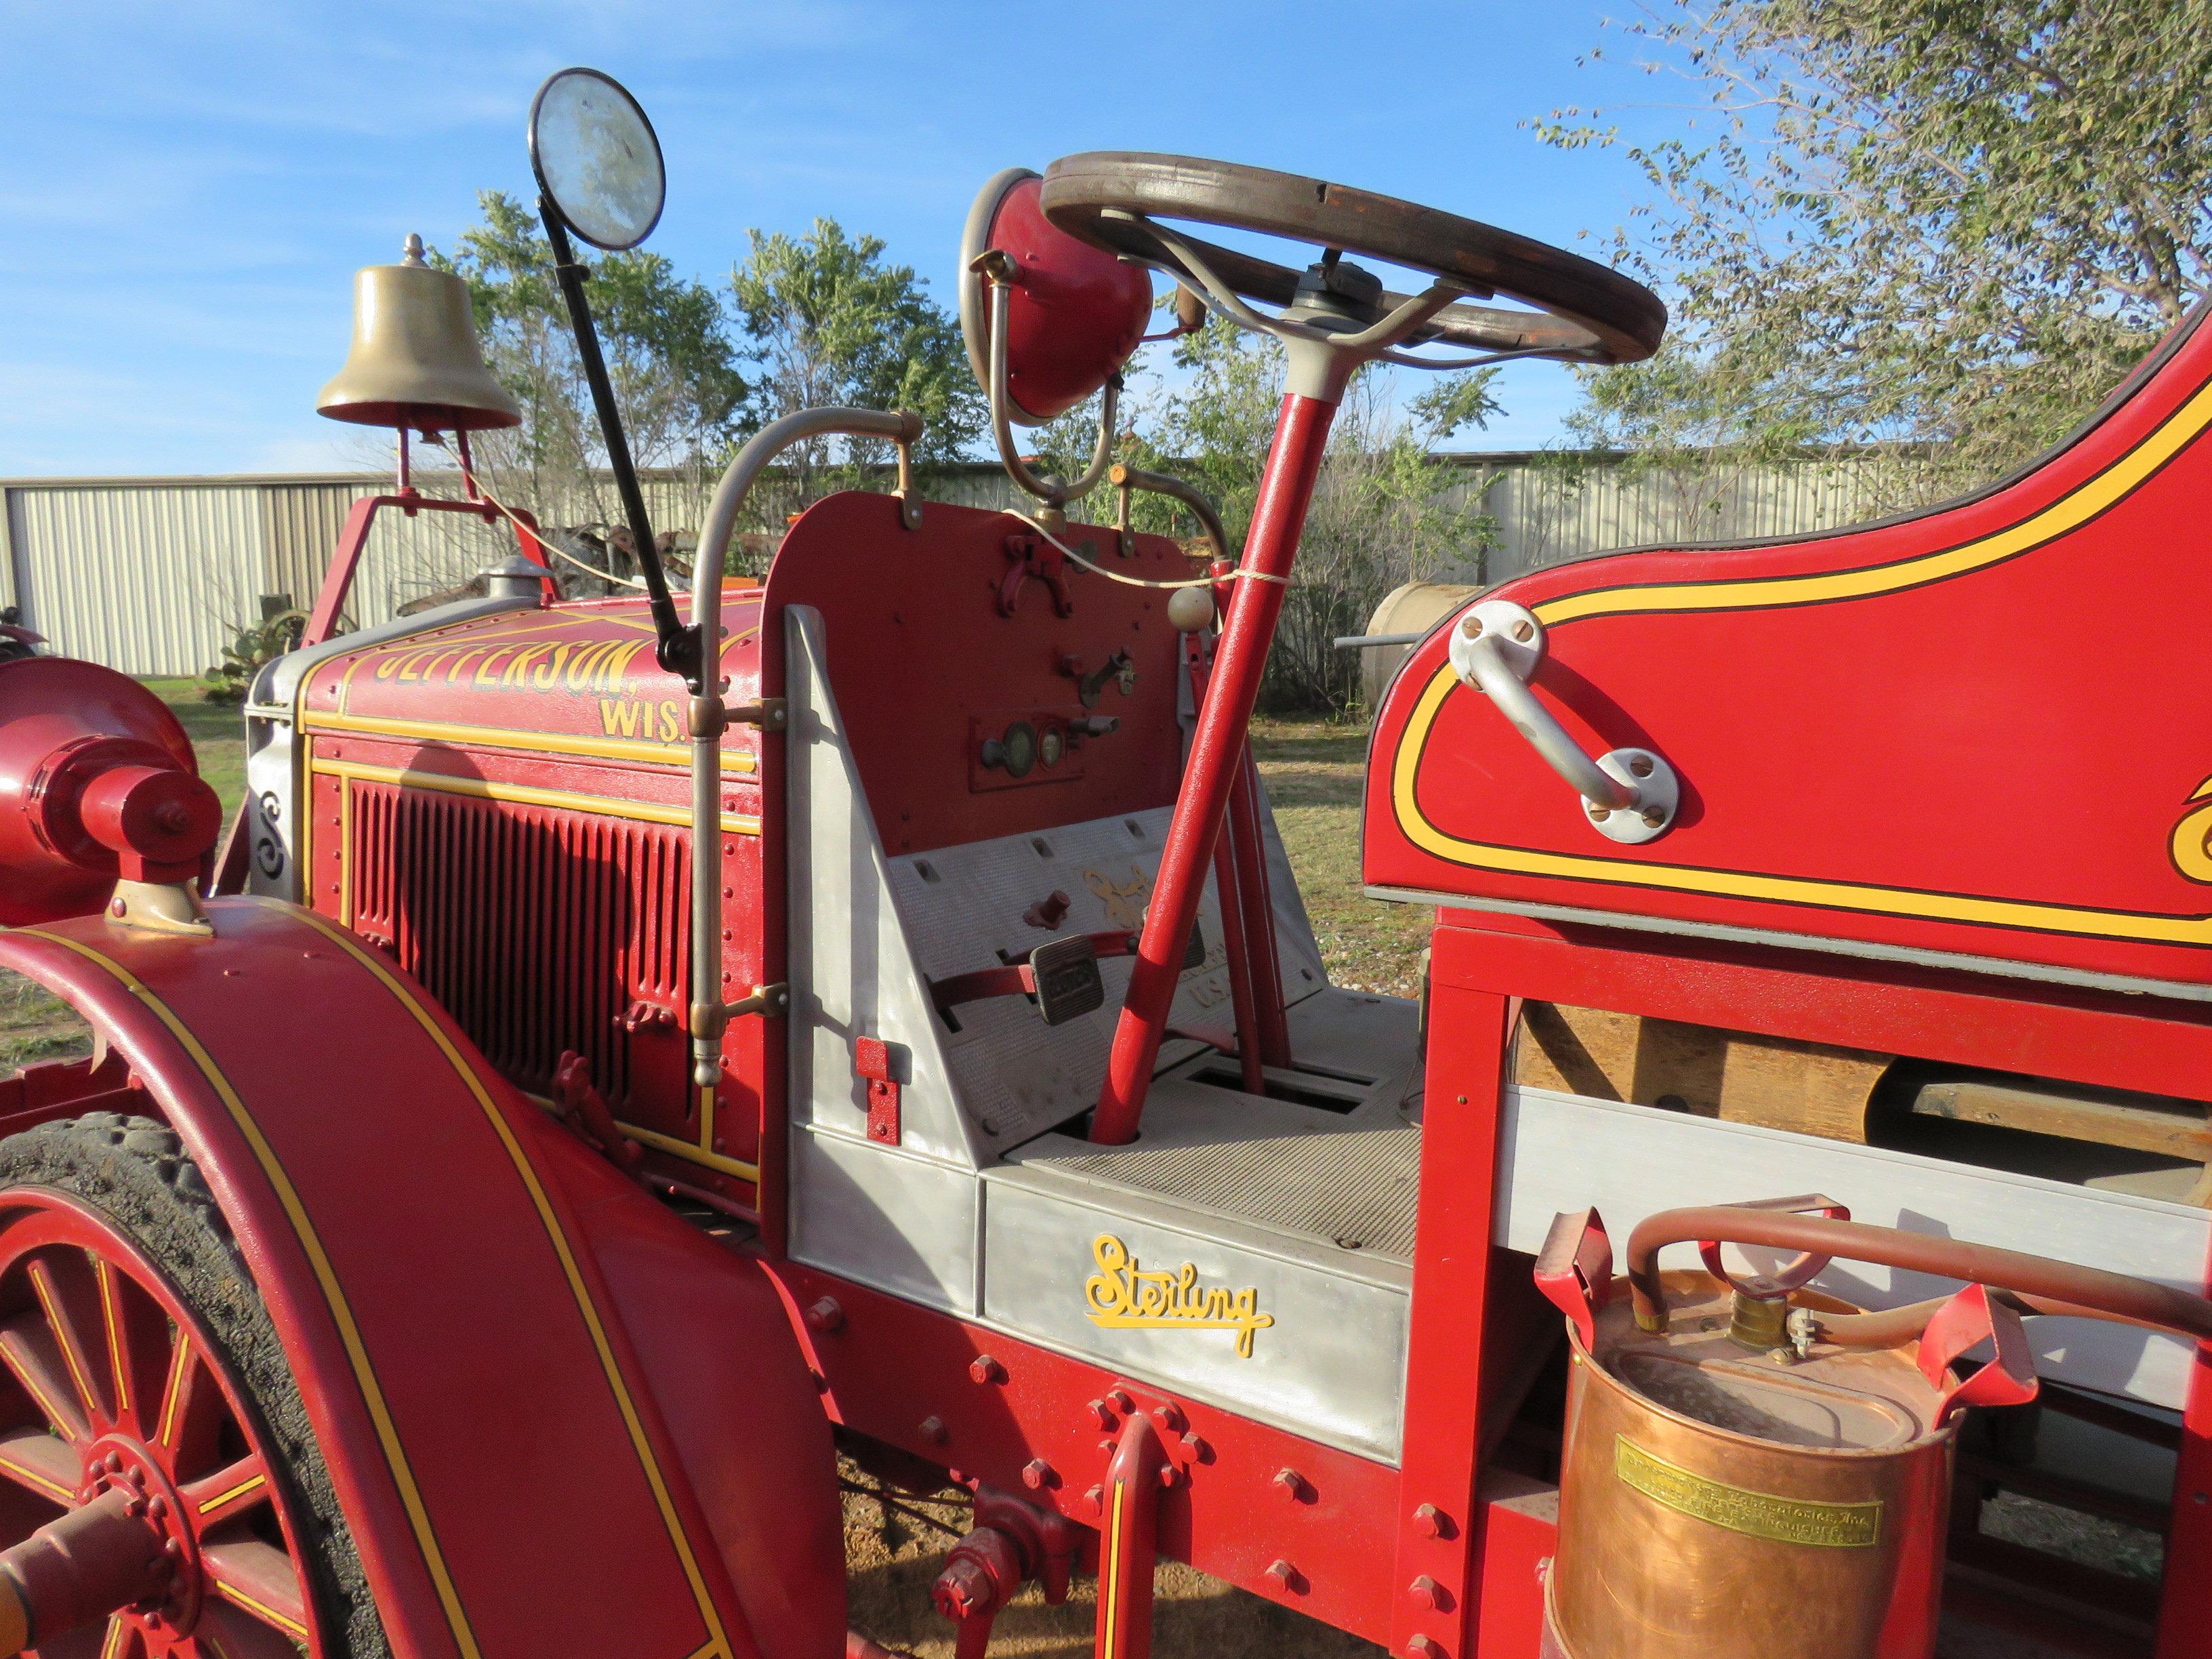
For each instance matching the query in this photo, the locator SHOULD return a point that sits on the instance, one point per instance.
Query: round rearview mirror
(597, 159)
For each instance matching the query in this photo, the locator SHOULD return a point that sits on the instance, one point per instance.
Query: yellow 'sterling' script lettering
(1121, 1296)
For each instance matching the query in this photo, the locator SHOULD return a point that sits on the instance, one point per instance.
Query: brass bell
(415, 361)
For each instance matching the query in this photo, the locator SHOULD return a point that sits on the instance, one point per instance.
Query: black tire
(136, 1173)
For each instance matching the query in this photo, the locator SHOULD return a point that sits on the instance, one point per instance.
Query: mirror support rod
(677, 648)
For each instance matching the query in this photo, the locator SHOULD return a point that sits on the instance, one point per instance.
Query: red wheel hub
(122, 1463)
(135, 1490)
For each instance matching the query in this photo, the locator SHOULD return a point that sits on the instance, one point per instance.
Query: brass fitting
(1758, 1322)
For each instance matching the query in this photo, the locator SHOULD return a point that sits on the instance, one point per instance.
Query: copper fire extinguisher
(1754, 1468)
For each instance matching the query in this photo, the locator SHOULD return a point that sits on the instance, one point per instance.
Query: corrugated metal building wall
(1551, 506)
(154, 575)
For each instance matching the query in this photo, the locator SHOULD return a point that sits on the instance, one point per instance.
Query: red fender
(494, 1343)
(715, 1335)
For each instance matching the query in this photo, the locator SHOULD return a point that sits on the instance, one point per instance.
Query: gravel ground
(1195, 1616)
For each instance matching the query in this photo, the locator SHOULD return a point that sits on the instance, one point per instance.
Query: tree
(1386, 509)
(1917, 222)
(669, 355)
(826, 322)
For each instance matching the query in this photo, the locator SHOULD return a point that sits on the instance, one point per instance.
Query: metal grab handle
(1486, 666)
(2042, 1284)
(999, 270)
(1630, 794)
(710, 716)
(1126, 478)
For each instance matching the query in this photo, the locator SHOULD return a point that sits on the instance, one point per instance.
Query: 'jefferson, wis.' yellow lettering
(602, 666)
(643, 717)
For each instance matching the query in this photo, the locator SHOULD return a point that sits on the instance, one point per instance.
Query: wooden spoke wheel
(160, 1493)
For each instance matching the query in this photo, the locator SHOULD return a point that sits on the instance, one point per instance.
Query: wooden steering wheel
(1113, 198)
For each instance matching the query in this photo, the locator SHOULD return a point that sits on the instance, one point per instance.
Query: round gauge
(1018, 749)
(1052, 742)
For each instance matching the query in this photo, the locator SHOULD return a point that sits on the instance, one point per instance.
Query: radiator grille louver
(539, 930)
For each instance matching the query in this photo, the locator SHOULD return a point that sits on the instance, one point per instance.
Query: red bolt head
(1430, 1522)
(1101, 1414)
(1292, 1484)
(1037, 1475)
(1199, 1450)
(1095, 1500)
(1423, 1647)
(113, 1464)
(984, 1369)
(1119, 1401)
(1428, 1593)
(157, 1506)
(1171, 1477)
(825, 1316)
(931, 1428)
(1282, 1572)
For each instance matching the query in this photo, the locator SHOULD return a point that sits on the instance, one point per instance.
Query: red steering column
(1217, 757)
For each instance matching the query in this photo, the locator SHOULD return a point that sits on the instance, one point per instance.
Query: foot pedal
(1067, 982)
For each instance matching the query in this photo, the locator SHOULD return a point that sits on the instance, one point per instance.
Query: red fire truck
(620, 1057)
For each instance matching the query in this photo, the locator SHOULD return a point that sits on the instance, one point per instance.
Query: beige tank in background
(1413, 609)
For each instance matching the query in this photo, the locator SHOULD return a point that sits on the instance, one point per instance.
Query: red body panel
(1229, 1516)
(919, 654)
(1979, 731)
(741, 1408)
(468, 1365)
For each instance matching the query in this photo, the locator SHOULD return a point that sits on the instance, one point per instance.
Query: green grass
(36, 1025)
(1314, 771)
(218, 734)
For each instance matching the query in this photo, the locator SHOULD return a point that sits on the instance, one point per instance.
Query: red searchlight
(98, 782)
(1074, 315)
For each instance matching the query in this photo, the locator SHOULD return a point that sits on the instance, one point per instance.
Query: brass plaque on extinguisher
(1756, 1514)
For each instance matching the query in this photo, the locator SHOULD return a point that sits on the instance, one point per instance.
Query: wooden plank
(1562, 1152)
(1777, 1082)
(2177, 1131)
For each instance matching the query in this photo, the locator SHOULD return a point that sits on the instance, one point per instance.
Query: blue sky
(185, 189)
